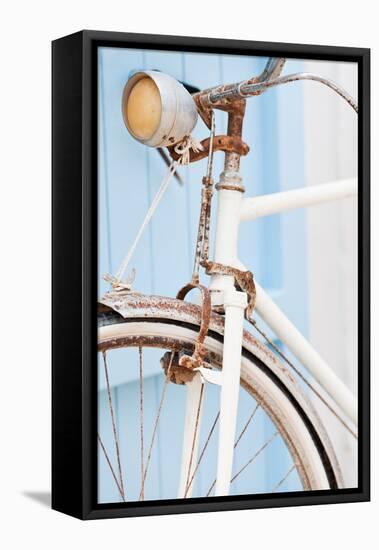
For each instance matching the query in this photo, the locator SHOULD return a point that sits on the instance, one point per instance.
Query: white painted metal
(305, 353)
(273, 203)
(226, 236)
(211, 376)
(235, 303)
(191, 434)
(178, 114)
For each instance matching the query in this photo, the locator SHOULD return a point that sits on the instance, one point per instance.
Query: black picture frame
(74, 272)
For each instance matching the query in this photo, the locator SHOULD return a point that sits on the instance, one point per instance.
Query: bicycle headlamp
(158, 111)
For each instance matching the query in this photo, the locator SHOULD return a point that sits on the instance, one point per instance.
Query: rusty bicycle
(207, 345)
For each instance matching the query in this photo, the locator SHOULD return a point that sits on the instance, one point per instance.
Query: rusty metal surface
(244, 280)
(239, 188)
(231, 143)
(126, 304)
(140, 340)
(206, 221)
(220, 95)
(177, 374)
(197, 359)
(236, 110)
(202, 241)
(133, 304)
(221, 143)
(155, 308)
(205, 105)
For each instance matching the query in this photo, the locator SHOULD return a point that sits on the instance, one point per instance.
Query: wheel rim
(147, 334)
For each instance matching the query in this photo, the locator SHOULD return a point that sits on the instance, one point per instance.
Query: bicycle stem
(230, 191)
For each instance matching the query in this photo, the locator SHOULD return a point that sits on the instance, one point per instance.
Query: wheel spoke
(156, 423)
(242, 432)
(194, 437)
(111, 467)
(202, 452)
(246, 425)
(284, 478)
(255, 455)
(113, 425)
(141, 418)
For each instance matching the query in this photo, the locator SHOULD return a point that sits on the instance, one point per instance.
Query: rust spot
(198, 356)
(244, 281)
(228, 144)
(178, 374)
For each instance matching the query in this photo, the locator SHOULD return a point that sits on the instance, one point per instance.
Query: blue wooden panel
(274, 248)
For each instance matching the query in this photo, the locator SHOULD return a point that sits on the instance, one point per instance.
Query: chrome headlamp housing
(177, 116)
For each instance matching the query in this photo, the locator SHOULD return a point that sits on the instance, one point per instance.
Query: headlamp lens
(143, 108)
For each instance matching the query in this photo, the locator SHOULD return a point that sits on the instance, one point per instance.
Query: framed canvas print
(210, 274)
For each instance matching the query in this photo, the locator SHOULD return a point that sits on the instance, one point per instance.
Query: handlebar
(273, 68)
(269, 78)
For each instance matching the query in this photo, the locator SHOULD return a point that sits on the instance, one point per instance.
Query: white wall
(331, 151)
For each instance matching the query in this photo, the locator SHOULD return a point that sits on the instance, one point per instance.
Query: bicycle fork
(234, 303)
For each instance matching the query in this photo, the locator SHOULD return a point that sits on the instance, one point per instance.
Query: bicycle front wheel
(292, 445)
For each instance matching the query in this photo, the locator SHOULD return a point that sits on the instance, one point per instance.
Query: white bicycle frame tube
(273, 203)
(306, 354)
(234, 303)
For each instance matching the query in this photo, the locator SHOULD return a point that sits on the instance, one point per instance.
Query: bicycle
(207, 345)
